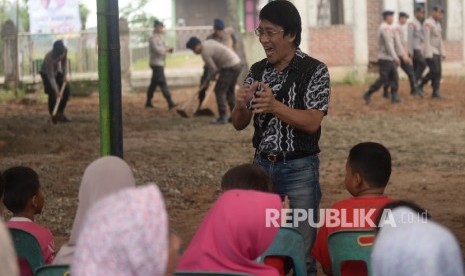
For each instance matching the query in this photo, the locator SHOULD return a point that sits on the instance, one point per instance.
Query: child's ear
(358, 179)
(34, 201)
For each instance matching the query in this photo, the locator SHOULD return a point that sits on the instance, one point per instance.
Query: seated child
(233, 234)
(368, 169)
(254, 177)
(410, 243)
(126, 233)
(247, 177)
(24, 198)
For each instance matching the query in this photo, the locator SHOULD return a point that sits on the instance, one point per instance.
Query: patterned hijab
(233, 234)
(9, 265)
(102, 177)
(415, 247)
(125, 233)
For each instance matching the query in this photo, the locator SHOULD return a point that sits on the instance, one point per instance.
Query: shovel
(182, 110)
(55, 109)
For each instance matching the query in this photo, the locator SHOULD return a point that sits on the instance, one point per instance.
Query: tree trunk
(233, 21)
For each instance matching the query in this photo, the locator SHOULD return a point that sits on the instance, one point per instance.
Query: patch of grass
(176, 60)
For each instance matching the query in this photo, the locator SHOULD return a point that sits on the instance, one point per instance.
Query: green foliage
(83, 14)
(136, 15)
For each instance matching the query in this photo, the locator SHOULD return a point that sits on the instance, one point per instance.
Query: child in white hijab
(9, 265)
(410, 243)
(102, 177)
(126, 233)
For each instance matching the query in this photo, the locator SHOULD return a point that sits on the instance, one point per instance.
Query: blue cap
(218, 24)
(192, 42)
(387, 13)
(438, 8)
(59, 47)
(158, 23)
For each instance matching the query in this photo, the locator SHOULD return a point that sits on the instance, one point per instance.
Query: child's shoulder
(383, 199)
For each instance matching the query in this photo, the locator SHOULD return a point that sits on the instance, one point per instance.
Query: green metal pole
(104, 77)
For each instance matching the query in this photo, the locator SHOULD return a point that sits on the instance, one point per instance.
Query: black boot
(367, 97)
(148, 104)
(436, 94)
(417, 91)
(395, 97)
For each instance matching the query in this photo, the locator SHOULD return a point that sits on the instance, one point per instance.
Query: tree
(83, 14)
(136, 15)
(233, 20)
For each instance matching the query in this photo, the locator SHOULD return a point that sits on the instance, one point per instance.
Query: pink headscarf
(125, 233)
(233, 234)
(102, 177)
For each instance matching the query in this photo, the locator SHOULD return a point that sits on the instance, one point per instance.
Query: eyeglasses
(269, 33)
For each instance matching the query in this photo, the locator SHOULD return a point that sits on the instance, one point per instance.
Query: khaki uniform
(434, 51)
(401, 50)
(388, 76)
(415, 41)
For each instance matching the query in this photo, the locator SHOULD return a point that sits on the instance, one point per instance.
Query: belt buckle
(272, 157)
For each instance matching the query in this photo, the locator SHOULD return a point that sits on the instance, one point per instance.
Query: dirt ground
(186, 157)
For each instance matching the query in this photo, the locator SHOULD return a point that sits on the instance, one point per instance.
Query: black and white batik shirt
(311, 90)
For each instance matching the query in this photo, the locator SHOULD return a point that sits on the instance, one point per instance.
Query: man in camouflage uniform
(387, 60)
(434, 50)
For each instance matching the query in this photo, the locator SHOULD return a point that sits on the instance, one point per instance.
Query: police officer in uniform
(434, 49)
(415, 40)
(405, 60)
(387, 60)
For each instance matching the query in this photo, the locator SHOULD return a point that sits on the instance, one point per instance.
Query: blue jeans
(299, 180)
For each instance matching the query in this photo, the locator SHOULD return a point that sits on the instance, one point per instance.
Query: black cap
(59, 47)
(438, 8)
(387, 13)
(157, 23)
(218, 24)
(419, 8)
(403, 14)
(192, 42)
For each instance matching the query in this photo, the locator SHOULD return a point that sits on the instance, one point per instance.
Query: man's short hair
(286, 15)
(192, 42)
(438, 8)
(372, 161)
(218, 24)
(21, 184)
(247, 177)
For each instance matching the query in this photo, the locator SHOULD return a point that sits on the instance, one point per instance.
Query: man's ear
(291, 37)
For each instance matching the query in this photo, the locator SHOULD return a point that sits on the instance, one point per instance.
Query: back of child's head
(21, 184)
(247, 177)
(372, 161)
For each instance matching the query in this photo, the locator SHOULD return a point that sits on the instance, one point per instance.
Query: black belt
(283, 156)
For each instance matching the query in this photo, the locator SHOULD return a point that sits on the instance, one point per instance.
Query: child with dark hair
(25, 199)
(247, 177)
(368, 169)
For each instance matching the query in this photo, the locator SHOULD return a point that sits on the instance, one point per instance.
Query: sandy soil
(187, 157)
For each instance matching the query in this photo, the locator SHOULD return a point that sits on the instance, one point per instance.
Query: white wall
(455, 20)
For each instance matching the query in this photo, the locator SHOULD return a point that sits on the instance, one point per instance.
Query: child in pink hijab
(233, 234)
(126, 233)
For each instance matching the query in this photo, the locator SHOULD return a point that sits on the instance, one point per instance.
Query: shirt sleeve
(318, 90)
(389, 46)
(428, 48)
(398, 41)
(50, 71)
(157, 46)
(49, 252)
(411, 30)
(212, 69)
